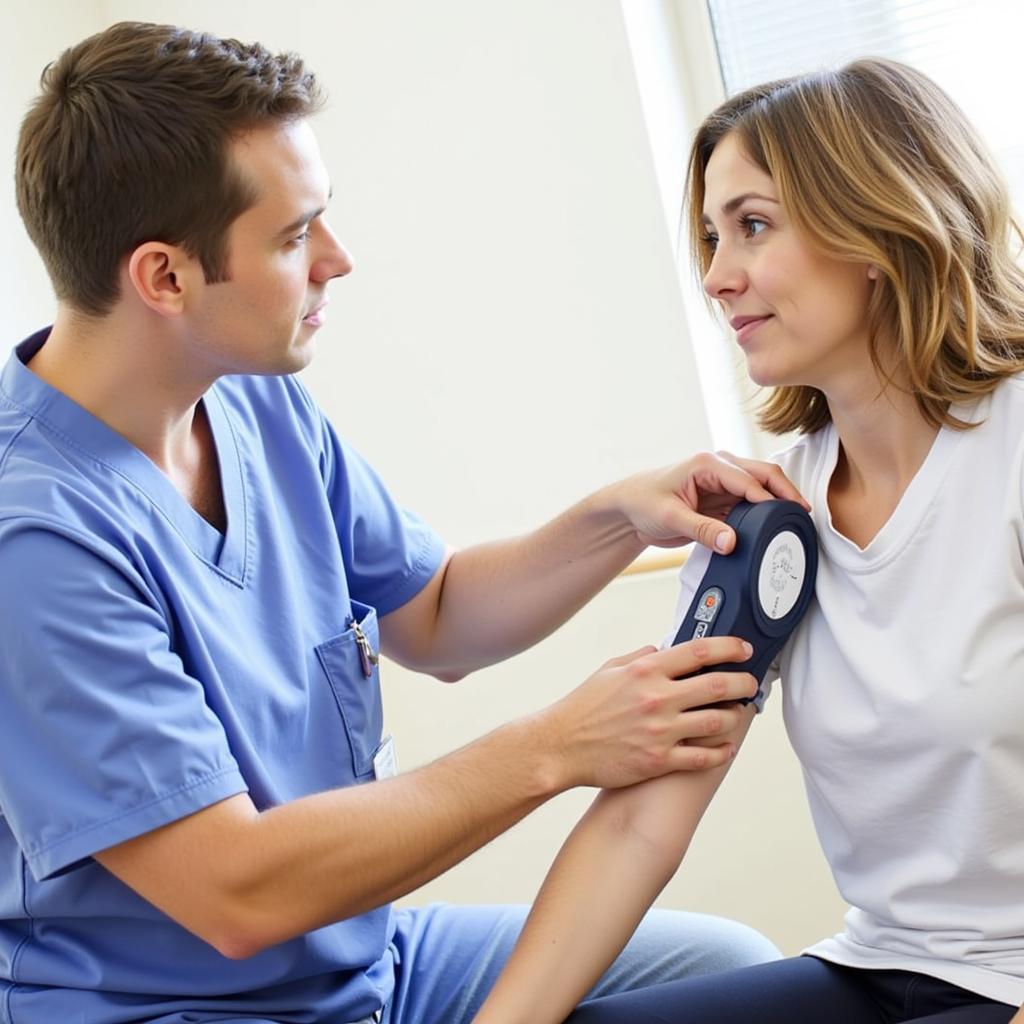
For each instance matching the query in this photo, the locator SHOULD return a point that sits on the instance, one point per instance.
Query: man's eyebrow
(737, 201)
(304, 219)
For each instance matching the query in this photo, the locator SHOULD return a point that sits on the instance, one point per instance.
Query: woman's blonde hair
(875, 164)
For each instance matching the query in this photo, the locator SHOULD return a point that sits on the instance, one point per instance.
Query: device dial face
(781, 577)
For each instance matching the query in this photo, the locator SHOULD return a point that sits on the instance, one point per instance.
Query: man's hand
(631, 720)
(673, 506)
(493, 600)
(244, 878)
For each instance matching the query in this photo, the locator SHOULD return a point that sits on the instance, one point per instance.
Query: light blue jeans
(449, 956)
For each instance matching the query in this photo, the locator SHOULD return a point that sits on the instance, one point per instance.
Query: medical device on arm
(761, 590)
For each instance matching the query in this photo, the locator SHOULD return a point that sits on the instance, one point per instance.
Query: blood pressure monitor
(761, 590)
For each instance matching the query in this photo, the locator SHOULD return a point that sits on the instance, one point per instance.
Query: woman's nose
(724, 276)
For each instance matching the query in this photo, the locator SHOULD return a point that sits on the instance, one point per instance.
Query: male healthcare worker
(197, 576)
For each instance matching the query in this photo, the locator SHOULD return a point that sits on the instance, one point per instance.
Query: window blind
(970, 49)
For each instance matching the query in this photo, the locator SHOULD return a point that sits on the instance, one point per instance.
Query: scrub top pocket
(357, 694)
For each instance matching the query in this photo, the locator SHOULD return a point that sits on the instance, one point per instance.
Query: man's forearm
(494, 600)
(244, 880)
(373, 844)
(504, 598)
(501, 598)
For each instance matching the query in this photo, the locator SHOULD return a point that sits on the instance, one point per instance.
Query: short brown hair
(874, 163)
(128, 143)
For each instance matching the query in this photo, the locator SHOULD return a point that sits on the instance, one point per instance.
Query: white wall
(35, 34)
(513, 336)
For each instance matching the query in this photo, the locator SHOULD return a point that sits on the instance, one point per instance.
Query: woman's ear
(872, 272)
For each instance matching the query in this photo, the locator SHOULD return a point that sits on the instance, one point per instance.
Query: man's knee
(670, 944)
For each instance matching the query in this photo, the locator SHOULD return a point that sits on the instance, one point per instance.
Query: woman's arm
(611, 868)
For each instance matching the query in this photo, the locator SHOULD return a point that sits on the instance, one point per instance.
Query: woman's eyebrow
(738, 201)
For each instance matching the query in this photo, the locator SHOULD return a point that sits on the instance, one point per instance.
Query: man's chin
(301, 353)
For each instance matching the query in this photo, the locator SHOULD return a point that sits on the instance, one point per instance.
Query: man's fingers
(694, 655)
(684, 758)
(625, 659)
(714, 688)
(746, 478)
(707, 687)
(712, 533)
(713, 722)
(770, 480)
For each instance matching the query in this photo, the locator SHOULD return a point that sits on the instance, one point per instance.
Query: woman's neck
(883, 441)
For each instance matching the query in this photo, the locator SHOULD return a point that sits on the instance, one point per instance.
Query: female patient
(859, 241)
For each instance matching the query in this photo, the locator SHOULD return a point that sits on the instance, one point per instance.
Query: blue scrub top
(151, 666)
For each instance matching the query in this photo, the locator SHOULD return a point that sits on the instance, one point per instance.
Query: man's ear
(161, 275)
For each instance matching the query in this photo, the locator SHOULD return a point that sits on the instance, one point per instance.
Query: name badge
(385, 762)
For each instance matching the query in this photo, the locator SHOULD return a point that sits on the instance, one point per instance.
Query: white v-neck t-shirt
(903, 697)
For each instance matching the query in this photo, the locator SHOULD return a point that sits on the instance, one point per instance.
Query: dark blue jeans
(802, 990)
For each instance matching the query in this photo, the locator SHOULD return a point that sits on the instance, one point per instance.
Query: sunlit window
(970, 49)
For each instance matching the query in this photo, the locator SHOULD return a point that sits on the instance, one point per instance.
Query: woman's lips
(744, 326)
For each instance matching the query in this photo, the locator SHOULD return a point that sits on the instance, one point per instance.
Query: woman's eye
(752, 226)
(710, 241)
